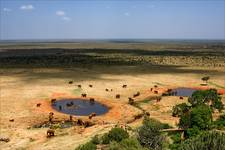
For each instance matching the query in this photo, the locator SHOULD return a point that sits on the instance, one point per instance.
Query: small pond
(79, 107)
(182, 91)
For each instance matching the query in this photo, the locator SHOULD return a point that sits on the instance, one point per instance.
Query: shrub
(156, 123)
(149, 135)
(105, 139)
(115, 134)
(205, 97)
(166, 126)
(205, 141)
(191, 132)
(185, 121)
(201, 117)
(220, 122)
(87, 146)
(180, 109)
(176, 137)
(95, 140)
(126, 144)
(218, 105)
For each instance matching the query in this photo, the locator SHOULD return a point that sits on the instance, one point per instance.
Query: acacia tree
(210, 97)
(199, 116)
(149, 135)
(205, 79)
(180, 109)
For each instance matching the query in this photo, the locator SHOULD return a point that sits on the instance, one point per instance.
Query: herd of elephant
(51, 132)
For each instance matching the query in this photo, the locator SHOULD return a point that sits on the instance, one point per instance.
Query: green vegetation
(116, 134)
(180, 109)
(149, 134)
(205, 141)
(47, 55)
(195, 119)
(199, 117)
(220, 122)
(197, 122)
(126, 144)
(87, 146)
(96, 140)
(148, 99)
(210, 97)
(77, 91)
(119, 139)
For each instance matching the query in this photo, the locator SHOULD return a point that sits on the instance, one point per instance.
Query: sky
(112, 19)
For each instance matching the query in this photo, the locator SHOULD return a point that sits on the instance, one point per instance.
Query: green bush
(156, 123)
(218, 105)
(166, 126)
(149, 135)
(115, 134)
(220, 122)
(204, 97)
(126, 144)
(205, 141)
(201, 117)
(191, 132)
(105, 139)
(174, 146)
(87, 146)
(176, 137)
(185, 121)
(180, 109)
(95, 140)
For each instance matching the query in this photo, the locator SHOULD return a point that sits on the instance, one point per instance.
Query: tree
(185, 121)
(209, 97)
(201, 117)
(180, 109)
(115, 134)
(205, 78)
(205, 141)
(149, 135)
(220, 122)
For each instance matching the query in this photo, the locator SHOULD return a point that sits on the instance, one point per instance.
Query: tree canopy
(210, 97)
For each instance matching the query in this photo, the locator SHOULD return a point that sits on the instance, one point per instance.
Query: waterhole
(79, 107)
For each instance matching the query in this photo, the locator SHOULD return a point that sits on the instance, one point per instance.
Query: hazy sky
(91, 19)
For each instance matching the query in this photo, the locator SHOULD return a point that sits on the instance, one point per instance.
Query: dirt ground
(45, 77)
(22, 89)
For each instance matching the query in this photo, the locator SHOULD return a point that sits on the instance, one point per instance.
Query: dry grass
(22, 88)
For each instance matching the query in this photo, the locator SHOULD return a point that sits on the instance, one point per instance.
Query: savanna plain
(129, 78)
